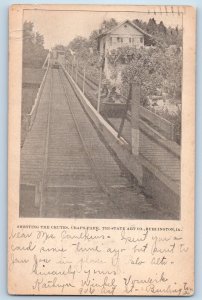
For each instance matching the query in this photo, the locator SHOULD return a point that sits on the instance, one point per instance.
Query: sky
(60, 27)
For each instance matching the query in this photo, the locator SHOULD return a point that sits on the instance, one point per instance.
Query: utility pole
(73, 62)
(100, 83)
(72, 68)
(135, 132)
(99, 90)
(77, 65)
(125, 111)
(84, 78)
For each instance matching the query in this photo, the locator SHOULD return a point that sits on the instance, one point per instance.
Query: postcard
(101, 150)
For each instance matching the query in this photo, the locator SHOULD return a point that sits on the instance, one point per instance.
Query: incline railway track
(43, 184)
(83, 142)
(89, 168)
(66, 168)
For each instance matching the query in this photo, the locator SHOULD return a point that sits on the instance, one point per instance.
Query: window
(130, 40)
(118, 39)
(110, 41)
(141, 40)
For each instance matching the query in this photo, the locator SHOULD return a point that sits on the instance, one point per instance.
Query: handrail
(120, 144)
(31, 116)
(157, 121)
(150, 131)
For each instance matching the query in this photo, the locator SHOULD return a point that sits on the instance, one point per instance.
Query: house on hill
(124, 34)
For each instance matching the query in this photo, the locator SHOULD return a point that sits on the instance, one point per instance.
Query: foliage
(107, 25)
(154, 68)
(157, 70)
(86, 50)
(165, 36)
(34, 53)
(157, 67)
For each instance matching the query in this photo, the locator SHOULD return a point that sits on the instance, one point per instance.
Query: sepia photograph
(101, 150)
(101, 114)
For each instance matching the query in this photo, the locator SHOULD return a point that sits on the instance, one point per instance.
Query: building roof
(119, 25)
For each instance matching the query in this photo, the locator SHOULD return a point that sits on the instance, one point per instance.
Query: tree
(39, 39)
(161, 28)
(93, 43)
(140, 24)
(108, 25)
(28, 33)
(87, 49)
(80, 48)
(152, 27)
(34, 53)
(153, 68)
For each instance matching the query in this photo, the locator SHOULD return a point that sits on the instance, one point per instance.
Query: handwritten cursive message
(87, 260)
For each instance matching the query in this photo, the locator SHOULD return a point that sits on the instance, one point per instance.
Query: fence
(166, 127)
(90, 89)
(154, 178)
(31, 116)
